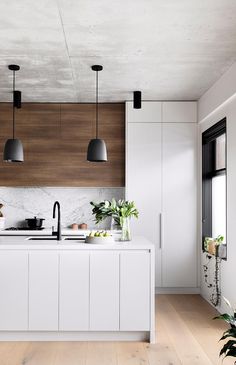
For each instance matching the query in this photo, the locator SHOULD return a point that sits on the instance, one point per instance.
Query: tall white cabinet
(161, 155)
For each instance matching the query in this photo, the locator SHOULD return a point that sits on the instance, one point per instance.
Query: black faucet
(58, 232)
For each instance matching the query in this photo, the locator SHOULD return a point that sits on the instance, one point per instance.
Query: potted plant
(229, 348)
(121, 211)
(211, 244)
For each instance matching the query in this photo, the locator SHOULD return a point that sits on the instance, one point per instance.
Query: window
(214, 181)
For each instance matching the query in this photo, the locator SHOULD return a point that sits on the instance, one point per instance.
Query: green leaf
(229, 345)
(116, 209)
(226, 317)
(231, 352)
(231, 332)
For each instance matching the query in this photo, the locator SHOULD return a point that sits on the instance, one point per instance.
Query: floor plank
(131, 353)
(185, 344)
(101, 353)
(163, 352)
(71, 353)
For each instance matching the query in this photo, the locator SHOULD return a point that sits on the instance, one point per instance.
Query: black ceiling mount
(97, 68)
(137, 102)
(14, 67)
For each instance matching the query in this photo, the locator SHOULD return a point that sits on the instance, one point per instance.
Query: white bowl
(99, 240)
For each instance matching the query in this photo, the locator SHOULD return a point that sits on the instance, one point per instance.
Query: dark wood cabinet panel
(55, 138)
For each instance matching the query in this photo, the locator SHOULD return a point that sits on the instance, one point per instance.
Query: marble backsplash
(27, 202)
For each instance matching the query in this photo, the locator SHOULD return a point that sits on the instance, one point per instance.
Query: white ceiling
(169, 49)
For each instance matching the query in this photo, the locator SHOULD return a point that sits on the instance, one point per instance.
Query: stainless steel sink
(51, 238)
(81, 238)
(41, 238)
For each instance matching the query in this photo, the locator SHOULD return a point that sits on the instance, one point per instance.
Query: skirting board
(177, 290)
(74, 336)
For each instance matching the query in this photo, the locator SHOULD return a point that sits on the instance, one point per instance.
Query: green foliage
(229, 348)
(116, 209)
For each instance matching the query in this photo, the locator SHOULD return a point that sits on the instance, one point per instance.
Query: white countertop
(22, 243)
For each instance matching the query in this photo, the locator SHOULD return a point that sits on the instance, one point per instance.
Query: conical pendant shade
(13, 151)
(97, 151)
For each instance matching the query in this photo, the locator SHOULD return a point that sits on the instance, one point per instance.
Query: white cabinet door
(14, 290)
(104, 291)
(74, 291)
(179, 249)
(43, 290)
(149, 113)
(179, 112)
(135, 291)
(144, 182)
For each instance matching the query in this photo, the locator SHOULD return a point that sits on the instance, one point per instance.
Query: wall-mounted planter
(222, 251)
(217, 250)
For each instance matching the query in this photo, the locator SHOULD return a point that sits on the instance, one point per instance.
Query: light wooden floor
(186, 335)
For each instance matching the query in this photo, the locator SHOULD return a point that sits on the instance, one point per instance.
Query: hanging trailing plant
(211, 246)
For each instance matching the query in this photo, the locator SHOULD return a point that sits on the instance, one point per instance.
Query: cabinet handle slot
(161, 231)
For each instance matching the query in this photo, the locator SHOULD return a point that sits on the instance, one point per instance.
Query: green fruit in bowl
(99, 234)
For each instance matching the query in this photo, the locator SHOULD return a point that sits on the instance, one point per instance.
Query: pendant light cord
(97, 104)
(13, 106)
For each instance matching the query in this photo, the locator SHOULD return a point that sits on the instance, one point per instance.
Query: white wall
(218, 94)
(217, 103)
(27, 202)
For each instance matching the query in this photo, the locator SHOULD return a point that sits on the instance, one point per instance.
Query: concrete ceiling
(169, 49)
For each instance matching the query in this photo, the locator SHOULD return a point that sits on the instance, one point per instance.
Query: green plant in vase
(120, 210)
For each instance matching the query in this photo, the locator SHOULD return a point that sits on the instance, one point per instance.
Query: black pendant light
(137, 102)
(13, 150)
(97, 151)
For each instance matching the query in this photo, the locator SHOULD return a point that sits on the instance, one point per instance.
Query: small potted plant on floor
(229, 348)
(120, 210)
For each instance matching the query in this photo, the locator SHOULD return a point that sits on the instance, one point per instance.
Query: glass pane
(220, 152)
(219, 206)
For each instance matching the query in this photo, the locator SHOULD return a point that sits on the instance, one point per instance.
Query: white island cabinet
(75, 291)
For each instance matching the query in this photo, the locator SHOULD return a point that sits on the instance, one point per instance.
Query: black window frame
(208, 171)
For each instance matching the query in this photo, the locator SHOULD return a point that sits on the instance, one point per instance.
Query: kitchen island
(69, 290)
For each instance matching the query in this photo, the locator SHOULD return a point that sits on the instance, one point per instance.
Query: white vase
(2, 223)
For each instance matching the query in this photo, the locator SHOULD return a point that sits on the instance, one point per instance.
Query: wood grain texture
(55, 139)
(186, 335)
